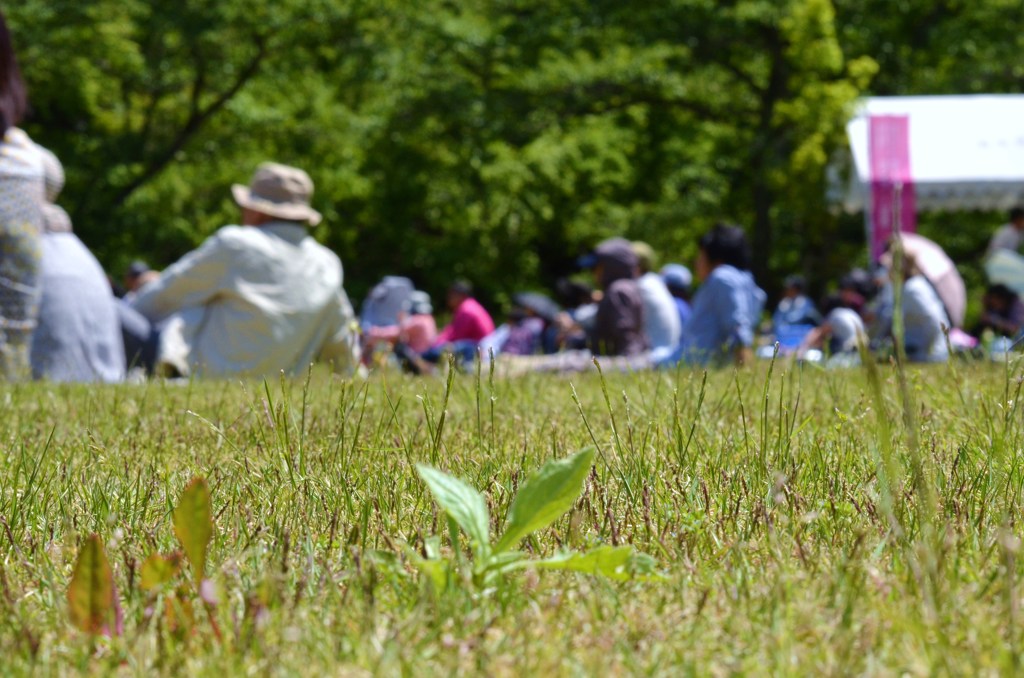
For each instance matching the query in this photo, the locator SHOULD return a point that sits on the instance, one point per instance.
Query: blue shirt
(726, 311)
(793, 319)
(683, 307)
(798, 310)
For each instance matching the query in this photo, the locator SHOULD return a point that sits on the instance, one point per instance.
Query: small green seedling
(545, 496)
(92, 595)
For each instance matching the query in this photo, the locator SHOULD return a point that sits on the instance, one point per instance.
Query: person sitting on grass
(925, 321)
(470, 324)
(1010, 235)
(857, 287)
(21, 219)
(134, 277)
(618, 328)
(678, 280)
(795, 315)
(416, 327)
(522, 334)
(840, 334)
(255, 299)
(576, 322)
(78, 338)
(727, 307)
(661, 317)
(1003, 312)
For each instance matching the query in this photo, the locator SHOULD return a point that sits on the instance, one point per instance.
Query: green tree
(135, 97)
(491, 140)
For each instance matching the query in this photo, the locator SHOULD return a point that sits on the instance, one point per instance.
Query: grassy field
(803, 522)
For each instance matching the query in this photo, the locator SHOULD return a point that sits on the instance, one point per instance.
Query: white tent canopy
(966, 152)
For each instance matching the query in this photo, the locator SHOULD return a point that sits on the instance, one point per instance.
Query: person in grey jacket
(619, 324)
(78, 337)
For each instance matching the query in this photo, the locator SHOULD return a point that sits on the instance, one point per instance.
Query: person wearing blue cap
(678, 280)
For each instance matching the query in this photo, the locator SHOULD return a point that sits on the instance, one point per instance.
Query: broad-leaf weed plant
(545, 496)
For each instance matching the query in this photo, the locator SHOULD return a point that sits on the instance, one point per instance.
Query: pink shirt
(418, 331)
(470, 322)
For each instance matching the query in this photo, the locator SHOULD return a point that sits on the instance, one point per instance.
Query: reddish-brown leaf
(158, 570)
(91, 592)
(193, 524)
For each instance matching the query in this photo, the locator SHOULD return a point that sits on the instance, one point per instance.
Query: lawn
(800, 521)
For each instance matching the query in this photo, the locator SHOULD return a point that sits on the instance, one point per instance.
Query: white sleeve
(193, 280)
(341, 348)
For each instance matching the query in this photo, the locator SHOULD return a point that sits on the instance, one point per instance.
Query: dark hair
(1016, 213)
(860, 281)
(726, 244)
(137, 268)
(13, 98)
(831, 302)
(1002, 292)
(462, 287)
(573, 293)
(795, 281)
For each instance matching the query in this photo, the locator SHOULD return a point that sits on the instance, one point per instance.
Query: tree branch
(743, 77)
(196, 119)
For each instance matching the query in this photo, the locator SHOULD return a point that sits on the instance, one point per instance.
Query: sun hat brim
(289, 211)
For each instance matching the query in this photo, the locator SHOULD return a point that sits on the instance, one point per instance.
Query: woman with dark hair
(21, 199)
(727, 307)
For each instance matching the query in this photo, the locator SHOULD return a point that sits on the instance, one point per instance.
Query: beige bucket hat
(279, 191)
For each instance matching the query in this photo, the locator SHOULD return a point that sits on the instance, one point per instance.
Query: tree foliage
(481, 139)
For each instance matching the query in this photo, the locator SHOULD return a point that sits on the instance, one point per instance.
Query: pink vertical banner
(892, 186)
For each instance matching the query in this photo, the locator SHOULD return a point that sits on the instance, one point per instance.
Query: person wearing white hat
(679, 281)
(255, 299)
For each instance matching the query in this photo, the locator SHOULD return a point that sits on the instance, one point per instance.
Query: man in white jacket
(255, 299)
